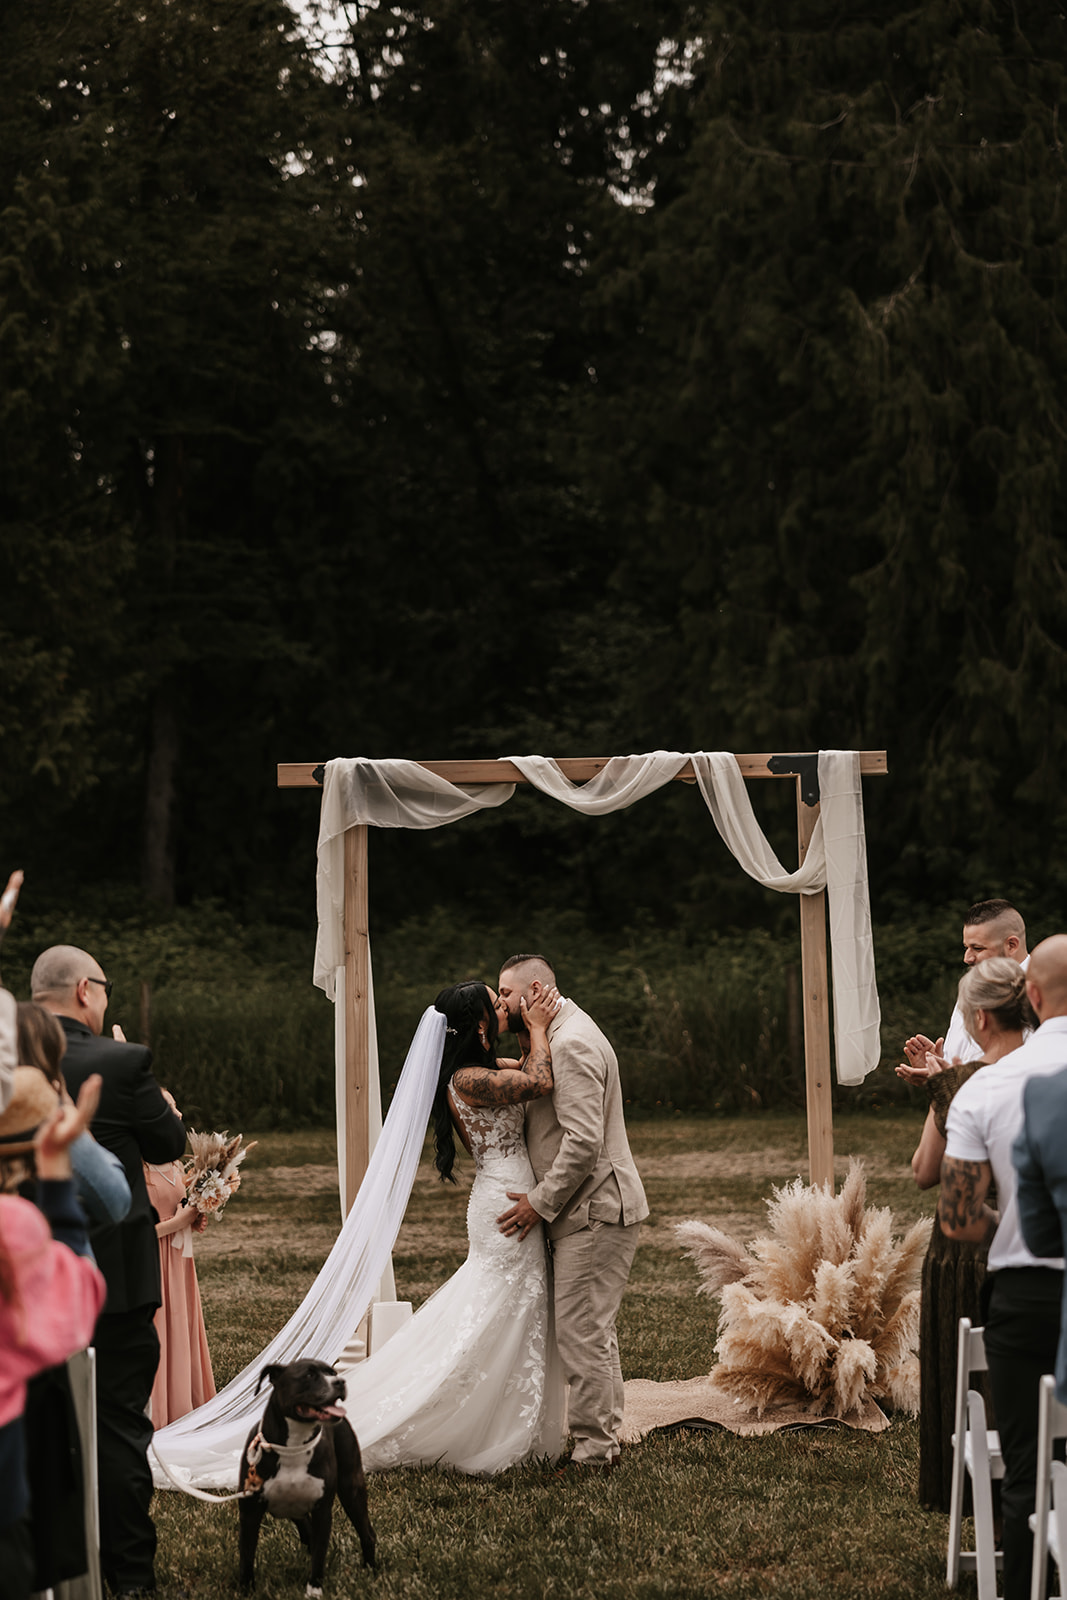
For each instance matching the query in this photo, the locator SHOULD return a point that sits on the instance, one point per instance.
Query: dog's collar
(286, 1453)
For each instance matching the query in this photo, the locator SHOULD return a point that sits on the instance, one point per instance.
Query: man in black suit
(135, 1121)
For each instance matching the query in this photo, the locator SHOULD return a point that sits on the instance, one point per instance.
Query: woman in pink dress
(183, 1380)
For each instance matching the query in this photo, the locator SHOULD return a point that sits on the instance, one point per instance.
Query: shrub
(243, 1039)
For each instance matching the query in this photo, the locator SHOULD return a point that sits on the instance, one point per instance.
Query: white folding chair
(975, 1454)
(1057, 1527)
(1049, 1521)
(82, 1370)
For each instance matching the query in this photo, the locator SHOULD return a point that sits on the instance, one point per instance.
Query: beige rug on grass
(698, 1403)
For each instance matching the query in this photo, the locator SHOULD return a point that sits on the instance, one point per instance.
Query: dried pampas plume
(823, 1311)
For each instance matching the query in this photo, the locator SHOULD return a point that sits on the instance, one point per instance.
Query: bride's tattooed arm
(962, 1209)
(508, 1086)
(511, 1084)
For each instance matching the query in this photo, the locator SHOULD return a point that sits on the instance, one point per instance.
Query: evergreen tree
(167, 204)
(844, 509)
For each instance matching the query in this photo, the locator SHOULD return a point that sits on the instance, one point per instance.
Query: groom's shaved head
(518, 975)
(527, 969)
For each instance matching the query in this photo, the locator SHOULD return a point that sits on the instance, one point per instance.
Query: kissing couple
(478, 1379)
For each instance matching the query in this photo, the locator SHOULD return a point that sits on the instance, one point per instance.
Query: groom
(589, 1196)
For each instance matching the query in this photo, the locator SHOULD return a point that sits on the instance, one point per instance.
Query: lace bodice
(496, 1134)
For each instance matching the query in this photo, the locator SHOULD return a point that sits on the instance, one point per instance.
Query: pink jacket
(53, 1308)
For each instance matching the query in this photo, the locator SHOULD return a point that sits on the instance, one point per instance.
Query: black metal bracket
(806, 768)
(319, 773)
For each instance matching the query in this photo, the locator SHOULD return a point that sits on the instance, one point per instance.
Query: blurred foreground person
(50, 1294)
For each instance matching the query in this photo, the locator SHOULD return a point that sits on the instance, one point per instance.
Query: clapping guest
(136, 1123)
(992, 1001)
(50, 1295)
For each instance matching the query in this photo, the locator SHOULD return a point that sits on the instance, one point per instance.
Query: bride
(472, 1381)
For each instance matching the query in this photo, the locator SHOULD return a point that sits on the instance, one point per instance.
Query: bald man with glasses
(134, 1120)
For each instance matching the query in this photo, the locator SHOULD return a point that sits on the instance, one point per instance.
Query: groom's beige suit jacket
(577, 1135)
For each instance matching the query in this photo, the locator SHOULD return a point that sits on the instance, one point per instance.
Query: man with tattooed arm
(1022, 1320)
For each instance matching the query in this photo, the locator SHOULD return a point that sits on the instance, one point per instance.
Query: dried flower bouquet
(211, 1174)
(823, 1311)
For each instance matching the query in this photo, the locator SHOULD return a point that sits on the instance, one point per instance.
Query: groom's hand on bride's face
(518, 1221)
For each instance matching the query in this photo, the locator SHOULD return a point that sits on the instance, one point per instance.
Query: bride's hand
(540, 1013)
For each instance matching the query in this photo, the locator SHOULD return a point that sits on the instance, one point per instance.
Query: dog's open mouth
(319, 1413)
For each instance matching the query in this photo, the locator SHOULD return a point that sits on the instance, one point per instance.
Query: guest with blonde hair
(992, 1002)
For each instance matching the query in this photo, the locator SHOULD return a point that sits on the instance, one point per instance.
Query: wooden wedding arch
(802, 768)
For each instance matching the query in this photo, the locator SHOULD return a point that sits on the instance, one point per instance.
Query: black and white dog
(303, 1453)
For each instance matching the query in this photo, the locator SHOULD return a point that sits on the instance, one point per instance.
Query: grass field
(824, 1513)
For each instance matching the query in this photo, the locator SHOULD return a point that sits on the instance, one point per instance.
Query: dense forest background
(573, 377)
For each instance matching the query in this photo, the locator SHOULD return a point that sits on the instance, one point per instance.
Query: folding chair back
(1047, 1518)
(82, 1370)
(975, 1454)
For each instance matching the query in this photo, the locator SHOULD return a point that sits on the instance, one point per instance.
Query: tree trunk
(158, 872)
(157, 867)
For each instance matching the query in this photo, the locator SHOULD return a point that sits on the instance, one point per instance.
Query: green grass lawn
(820, 1513)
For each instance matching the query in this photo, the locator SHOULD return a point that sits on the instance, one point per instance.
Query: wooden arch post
(803, 768)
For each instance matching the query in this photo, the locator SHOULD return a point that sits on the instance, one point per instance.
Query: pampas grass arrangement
(823, 1311)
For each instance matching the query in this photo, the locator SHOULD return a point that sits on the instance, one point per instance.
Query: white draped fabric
(204, 1447)
(387, 1288)
(401, 794)
(385, 794)
(857, 1014)
(622, 781)
(837, 861)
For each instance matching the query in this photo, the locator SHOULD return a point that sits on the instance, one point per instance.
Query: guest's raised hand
(930, 1067)
(9, 899)
(916, 1047)
(67, 1122)
(117, 1033)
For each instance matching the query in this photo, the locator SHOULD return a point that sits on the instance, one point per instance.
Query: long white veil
(204, 1448)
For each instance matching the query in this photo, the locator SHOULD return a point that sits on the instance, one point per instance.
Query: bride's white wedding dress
(473, 1381)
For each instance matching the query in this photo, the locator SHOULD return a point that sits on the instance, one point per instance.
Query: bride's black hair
(466, 1006)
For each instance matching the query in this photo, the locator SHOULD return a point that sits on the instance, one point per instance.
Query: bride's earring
(482, 1037)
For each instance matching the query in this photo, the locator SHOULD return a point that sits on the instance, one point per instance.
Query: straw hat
(32, 1100)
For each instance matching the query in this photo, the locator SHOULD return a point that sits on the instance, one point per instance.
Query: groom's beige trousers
(589, 1270)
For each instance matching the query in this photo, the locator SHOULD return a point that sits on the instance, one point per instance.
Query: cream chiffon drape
(401, 794)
